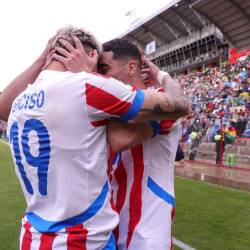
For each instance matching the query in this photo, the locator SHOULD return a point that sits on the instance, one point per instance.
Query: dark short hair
(122, 49)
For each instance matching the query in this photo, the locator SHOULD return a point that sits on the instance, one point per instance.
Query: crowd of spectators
(219, 95)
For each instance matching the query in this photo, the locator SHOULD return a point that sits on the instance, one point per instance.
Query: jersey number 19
(41, 162)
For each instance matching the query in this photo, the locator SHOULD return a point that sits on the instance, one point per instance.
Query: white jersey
(60, 152)
(142, 183)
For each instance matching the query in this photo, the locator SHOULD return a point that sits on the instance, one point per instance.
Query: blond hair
(87, 39)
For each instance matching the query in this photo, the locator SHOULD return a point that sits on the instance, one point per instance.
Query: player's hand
(76, 59)
(45, 55)
(149, 73)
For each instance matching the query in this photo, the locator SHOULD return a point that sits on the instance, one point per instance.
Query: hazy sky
(26, 25)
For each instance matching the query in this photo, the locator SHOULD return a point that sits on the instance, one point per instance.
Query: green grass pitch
(207, 216)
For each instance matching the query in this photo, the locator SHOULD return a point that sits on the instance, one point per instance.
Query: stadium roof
(181, 18)
(232, 17)
(170, 23)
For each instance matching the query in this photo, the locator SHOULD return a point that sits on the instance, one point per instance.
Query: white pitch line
(4, 142)
(182, 245)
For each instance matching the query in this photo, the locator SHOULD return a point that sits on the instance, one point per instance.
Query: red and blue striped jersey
(60, 152)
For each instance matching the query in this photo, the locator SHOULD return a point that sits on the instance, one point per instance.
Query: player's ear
(132, 67)
(93, 53)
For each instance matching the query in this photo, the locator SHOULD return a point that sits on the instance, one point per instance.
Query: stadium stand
(205, 45)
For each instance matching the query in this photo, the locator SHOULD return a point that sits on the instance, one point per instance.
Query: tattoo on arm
(157, 109)
(172, 104)
(174, 89)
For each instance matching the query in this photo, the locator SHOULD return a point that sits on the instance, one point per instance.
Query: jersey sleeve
(107, 97)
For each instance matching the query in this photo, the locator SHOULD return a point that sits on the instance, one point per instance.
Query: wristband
(156, 127)
(161, 75)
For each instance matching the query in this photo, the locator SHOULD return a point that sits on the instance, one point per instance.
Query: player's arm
(108, 98)
(123, 136)
(172, 104)
(21, 82)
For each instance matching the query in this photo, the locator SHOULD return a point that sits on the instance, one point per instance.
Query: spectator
(247, 130)
(195, 140)
(180, 155)
(219, 147)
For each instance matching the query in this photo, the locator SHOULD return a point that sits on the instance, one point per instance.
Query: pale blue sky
(26, 25)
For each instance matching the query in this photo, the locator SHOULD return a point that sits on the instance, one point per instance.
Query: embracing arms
(122, 136)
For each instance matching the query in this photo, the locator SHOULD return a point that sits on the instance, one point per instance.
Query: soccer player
(143, 177)
(60, 151)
